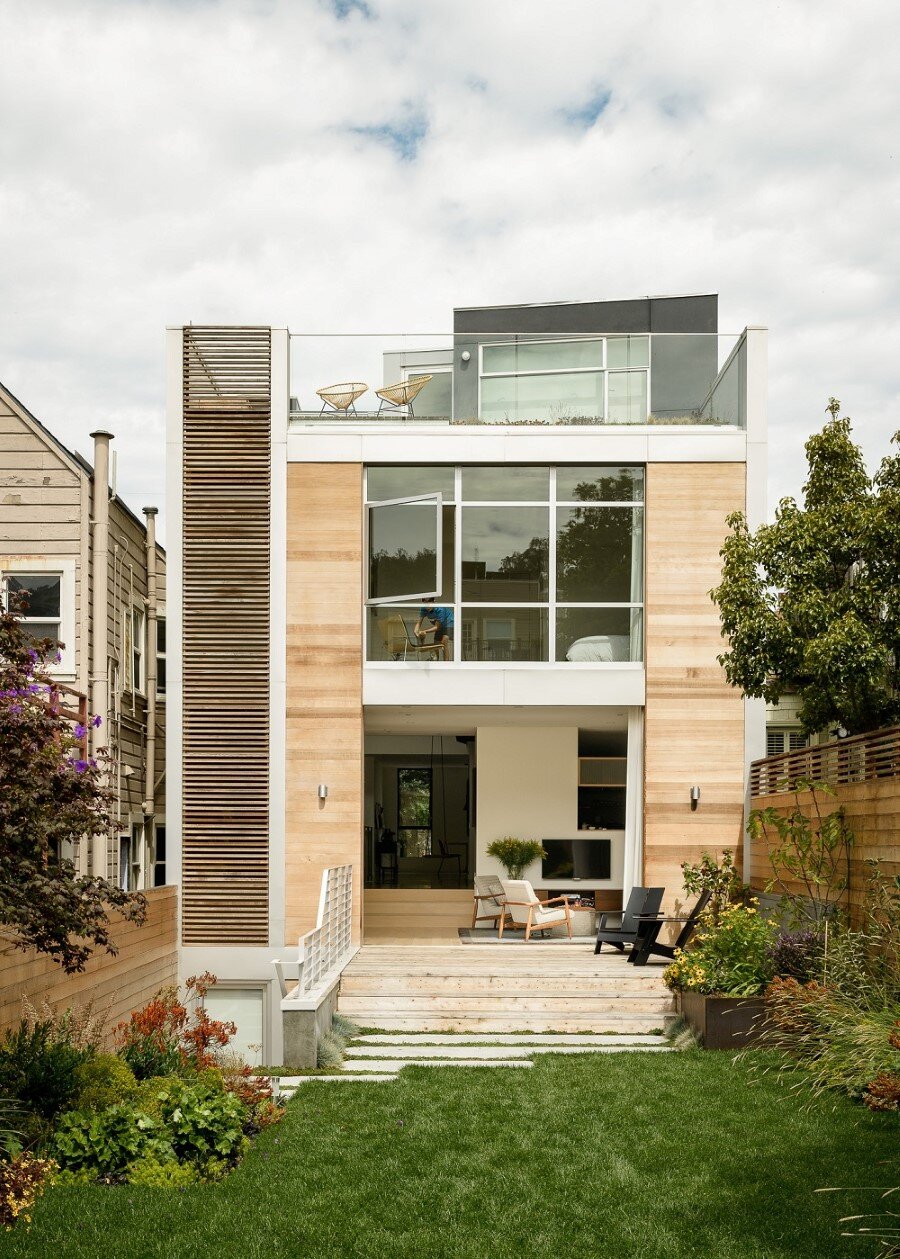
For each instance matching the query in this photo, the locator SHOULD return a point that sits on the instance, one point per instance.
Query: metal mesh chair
(401, 395)
(342, 397)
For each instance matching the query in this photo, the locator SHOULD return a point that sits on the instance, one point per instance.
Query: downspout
(149, 804)
(100, 620)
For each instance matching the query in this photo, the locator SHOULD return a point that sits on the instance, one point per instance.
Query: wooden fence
(864, 773)
(146, 961)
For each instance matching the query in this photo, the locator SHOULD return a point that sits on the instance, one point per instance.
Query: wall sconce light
(695, 798)
(323, 791)
(465, 356)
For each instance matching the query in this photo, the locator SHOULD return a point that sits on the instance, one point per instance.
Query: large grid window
(530, 564)
(587, 378)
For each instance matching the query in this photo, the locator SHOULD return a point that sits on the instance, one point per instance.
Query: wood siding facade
(694, 721)
(146, 961)
(46, 509)
(324, 737)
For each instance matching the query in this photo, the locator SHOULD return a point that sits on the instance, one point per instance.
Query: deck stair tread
(502, 989)
(502, 1038)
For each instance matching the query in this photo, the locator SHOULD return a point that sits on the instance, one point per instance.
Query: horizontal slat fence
(146, 961)
(226, 537)
(862, 758)
(864, 774)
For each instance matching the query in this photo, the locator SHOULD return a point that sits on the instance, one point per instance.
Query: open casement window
(405, 549)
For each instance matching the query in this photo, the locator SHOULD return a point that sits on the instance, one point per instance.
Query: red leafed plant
(170, 1033)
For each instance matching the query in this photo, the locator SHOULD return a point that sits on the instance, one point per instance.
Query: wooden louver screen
(226, 500)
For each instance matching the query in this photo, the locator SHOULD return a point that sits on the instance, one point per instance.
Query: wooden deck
(534, 987)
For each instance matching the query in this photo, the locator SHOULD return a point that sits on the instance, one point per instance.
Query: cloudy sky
(365, 165)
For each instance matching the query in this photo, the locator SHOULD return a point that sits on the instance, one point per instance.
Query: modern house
(95, 578)
(396, 637)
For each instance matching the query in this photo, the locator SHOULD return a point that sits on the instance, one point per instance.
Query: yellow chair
(401, 395)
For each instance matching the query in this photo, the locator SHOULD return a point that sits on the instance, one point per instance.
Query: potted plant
(720, 979)
(515, 855)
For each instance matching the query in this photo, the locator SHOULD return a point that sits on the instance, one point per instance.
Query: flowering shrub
(51, 795)
(22, 1180)
(720, 878)
(165, 1036)
(729, 958)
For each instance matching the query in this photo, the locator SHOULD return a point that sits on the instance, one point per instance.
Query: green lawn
(613, 1157)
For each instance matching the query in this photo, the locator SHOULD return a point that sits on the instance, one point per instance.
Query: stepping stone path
(382, 1056)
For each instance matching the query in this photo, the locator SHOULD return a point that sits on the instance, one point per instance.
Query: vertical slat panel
(226, 531)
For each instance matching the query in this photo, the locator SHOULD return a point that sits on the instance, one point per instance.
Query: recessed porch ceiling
(464, 719)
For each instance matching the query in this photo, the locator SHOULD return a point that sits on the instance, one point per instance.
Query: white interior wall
(527, 787)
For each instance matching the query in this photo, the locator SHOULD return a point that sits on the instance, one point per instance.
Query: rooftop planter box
(723, 1022)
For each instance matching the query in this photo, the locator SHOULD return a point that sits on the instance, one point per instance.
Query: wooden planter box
(723, 1022)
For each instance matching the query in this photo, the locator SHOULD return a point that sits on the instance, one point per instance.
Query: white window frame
(603, 367)
(415, 596)
(551, 605)
(161, 655)
(133, 685)
(243, 985)
(65, 669)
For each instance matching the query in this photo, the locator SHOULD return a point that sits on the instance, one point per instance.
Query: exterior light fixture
(695, 798)
(465, 356)
(323, 791)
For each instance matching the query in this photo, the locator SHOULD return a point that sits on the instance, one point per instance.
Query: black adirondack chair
(643, 901)
(648, 941)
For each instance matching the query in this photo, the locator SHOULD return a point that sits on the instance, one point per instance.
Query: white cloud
(364, 167)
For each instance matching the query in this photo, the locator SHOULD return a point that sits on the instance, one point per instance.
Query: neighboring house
(96, 578)
(562, 490)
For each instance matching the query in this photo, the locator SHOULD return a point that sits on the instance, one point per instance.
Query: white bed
(600, 649)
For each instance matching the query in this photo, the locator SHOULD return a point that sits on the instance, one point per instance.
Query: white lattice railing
(326, 949)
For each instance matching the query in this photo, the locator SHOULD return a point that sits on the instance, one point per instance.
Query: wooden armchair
(523, 909)
(488, 900)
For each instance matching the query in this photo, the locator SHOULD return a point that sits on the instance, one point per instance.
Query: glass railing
(520, 379)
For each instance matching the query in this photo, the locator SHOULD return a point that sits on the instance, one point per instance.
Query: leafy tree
(51, 797)
(811, 603)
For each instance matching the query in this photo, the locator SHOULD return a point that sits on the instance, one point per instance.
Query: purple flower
(80, 731)
(80, 766)
(58, 657)
(96, 722)
(32, 655)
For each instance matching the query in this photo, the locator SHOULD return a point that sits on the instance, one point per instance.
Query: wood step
(464, 1005)
(519, 1023)
(356, 984)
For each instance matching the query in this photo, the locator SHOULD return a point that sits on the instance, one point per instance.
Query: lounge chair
(488, 899)
(663, 935)
(642, 901)
(402, 394)
(525, 910)
(342, 397)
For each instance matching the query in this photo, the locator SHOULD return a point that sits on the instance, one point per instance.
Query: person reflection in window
(440, 619)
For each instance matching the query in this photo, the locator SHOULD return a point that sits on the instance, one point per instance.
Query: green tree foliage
(811, 603)
(51, 799)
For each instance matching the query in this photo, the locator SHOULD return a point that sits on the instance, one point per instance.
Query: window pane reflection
(506, 482)
(402, 550)
(408, 480)
(500, 634)
(600, 485)
(598, 635)
(597, 557)
(551, 398)
(505, 554)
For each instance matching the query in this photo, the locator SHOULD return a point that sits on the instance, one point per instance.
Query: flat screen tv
(577, 859)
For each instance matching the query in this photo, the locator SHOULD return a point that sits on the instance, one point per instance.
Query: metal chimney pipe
(99, 677)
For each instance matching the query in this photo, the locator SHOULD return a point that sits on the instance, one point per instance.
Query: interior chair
(488, 899)
(402, 394)
(642, 901)
(523, 909)
(666, 933)
(400, 644)
(342, 397)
